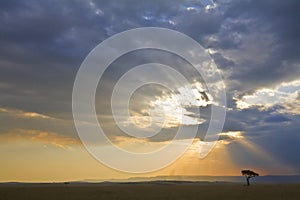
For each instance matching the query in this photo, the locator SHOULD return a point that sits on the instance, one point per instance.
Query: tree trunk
(248, 181)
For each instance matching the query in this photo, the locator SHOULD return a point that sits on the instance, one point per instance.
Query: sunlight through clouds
(233, 134)
(286, 95)
(238, 137)
(174, 108)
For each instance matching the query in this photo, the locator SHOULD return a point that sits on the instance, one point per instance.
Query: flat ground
(151, 191)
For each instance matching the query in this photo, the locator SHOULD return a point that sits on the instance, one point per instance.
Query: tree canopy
(249, 174)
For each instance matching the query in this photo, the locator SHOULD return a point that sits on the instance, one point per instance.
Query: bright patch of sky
(148, 16)
(285, 95)
(173, 108)
(233, 134)
(96, 10)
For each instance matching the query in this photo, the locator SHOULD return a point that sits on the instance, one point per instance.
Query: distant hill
(186, 179)
(234, 179)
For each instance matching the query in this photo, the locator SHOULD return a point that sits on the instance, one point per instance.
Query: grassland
(153, 191)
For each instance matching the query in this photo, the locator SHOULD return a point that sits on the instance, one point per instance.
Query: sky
(254, 44)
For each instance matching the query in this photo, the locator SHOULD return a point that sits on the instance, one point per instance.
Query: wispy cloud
(24, 114)
(45, 137)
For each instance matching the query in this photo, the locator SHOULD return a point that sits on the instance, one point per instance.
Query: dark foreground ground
(153, 191)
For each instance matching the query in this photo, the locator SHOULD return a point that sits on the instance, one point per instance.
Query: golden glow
(217, 163)
(42, 137)
(44, 157)
(233, 134)
(48, 156)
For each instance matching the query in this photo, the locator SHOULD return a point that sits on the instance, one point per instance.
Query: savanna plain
(153, 191)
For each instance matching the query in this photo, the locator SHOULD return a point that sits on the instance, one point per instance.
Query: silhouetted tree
(249, 174)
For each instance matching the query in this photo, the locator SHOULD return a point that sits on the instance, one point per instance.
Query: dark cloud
(265, 34)
(277, 119)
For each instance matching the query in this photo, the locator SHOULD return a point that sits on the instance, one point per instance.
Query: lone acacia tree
(249, 174)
